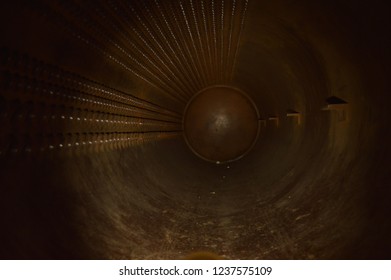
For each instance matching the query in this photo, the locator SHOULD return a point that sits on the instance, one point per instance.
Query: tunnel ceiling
(110, 148)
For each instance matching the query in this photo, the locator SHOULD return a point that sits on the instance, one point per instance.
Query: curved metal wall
(94, 164)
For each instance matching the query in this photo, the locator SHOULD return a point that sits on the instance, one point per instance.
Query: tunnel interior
(154, 129)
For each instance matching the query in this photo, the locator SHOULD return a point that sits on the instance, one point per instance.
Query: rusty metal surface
(221, 124)
(93, 161)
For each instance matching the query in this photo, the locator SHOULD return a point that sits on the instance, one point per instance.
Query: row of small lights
(172, 51)
(88, 42)
(155, 55)
(91, 101)
(131, 101)
(171, 33)
(125, 66)
(88, 143)
(149, 123)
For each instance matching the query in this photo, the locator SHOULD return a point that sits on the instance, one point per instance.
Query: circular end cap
(221, 124)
